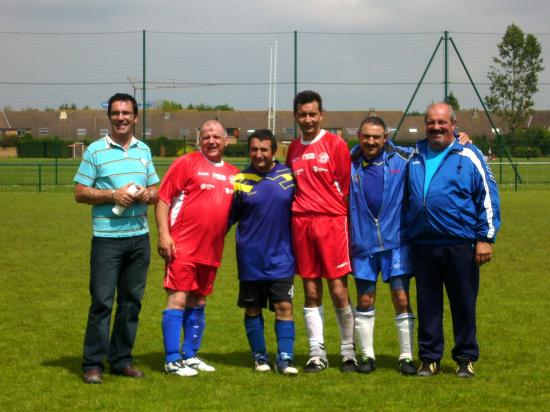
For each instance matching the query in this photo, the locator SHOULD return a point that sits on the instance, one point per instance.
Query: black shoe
(130, 371)
(367, 365)
(348, 365)
(406, 367)
(93, 376)
(316, 364)
(428, 368)
(465, 369)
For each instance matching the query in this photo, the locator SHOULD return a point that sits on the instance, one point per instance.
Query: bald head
(440, 123)
(212, 140)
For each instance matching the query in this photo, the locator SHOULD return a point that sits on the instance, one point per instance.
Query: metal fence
(248, 71)
(55, 176)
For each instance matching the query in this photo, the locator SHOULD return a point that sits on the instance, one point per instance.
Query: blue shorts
(393, 262)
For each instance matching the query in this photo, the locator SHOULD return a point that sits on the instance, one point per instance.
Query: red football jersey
(199, 193)
(322, 171)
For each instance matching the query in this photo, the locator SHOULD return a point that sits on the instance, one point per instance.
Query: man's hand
(147, 195)
(166, 247)
(464, 139)
(122, 197)
(484, 252)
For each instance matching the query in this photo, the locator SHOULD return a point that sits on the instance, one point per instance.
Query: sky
(47, 71)
(266, 16)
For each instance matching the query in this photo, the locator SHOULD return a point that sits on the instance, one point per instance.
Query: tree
(169, 106)
(203, 107)
(514, 77)
(453, 101)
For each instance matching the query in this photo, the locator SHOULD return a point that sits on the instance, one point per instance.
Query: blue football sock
(193, 329)
(171, 331)
(284, 329)
(254, 326)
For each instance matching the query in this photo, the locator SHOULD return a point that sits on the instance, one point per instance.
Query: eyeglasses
(124, 114)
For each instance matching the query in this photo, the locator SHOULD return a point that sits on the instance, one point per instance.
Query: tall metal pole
(275, 89)
(295, 73)
(446, 74)
(417, 87)
(497, 134)
(144, 95)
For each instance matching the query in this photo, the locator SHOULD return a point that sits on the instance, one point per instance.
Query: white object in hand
(119, 209)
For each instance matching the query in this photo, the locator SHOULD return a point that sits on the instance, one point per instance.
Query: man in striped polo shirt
(111, 167)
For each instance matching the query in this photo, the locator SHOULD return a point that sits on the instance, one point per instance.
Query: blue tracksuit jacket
(462, 200)
(371, 234)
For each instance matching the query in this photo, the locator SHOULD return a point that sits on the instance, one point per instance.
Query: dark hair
(374, 120)
(122, 97)
(307, 96)
(264, 134)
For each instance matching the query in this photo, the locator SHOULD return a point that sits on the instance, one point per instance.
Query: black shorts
(255, 294)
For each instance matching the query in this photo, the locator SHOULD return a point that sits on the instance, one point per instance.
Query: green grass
(44, 301)
(28, 174)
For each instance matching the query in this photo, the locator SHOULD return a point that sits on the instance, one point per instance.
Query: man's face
(309, 117)
(122, 119)
(261, 155)
(212, 141)
(372, 139)
(439, 127)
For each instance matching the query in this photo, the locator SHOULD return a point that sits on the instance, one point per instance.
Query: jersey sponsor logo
(298, 172)
(207, 186)
(341, 265)
(203, 174)
(308, 156)
(323, 157)
(219, 177)
(228, 191)
(395, 171)
(416, 162)
(319, 169)
(284, 180)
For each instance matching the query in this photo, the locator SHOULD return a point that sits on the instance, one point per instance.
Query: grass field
(45, 242)
(29, 174)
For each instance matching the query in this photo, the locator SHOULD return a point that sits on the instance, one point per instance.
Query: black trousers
(117, 266)
(454, 267)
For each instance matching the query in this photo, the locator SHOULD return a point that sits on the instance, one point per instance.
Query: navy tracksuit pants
(452, 266)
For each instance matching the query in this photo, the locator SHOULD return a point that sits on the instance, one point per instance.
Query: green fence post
(295, 75)
(516, 180)
(56, 156)
(500, 170)
(39, 178)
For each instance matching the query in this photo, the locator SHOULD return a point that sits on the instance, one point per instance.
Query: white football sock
(364, 329)
(313, 319)
(344, 318)
(405, 328)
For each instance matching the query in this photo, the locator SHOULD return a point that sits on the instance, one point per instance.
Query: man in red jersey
(321, 164)
(190, 239)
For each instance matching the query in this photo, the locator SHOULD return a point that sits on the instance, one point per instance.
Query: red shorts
(321, 246)
(183, 275)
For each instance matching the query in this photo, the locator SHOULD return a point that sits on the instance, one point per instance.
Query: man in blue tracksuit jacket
(453, 216)
(378, 237)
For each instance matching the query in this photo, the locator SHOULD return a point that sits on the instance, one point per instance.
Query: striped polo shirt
(106, 165)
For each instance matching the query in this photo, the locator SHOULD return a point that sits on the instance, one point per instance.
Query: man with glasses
(117, 177)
